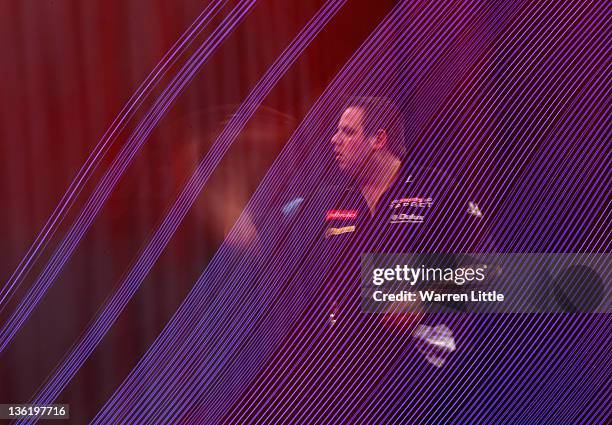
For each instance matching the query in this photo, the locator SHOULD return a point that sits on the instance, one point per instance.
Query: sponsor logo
(417, 202)
(292, 206)
(334, 231)
(406, 218)
(474, 210)
(340, 215)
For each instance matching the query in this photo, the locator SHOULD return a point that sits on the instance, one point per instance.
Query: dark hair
(379, 113)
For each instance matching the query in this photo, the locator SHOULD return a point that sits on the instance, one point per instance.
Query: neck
(378, 178)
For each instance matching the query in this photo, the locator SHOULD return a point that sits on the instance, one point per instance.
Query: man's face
(352, 148)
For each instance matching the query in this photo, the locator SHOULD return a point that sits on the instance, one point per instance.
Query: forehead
(351, 117)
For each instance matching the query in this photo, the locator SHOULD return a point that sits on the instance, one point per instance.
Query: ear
(380, 140)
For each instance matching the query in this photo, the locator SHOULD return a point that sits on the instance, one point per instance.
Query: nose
(335, 140)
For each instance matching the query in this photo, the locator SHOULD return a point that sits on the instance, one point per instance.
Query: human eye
(347, 130)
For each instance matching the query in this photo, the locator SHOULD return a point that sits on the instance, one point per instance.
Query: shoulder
(319, 199)
(449, 189)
